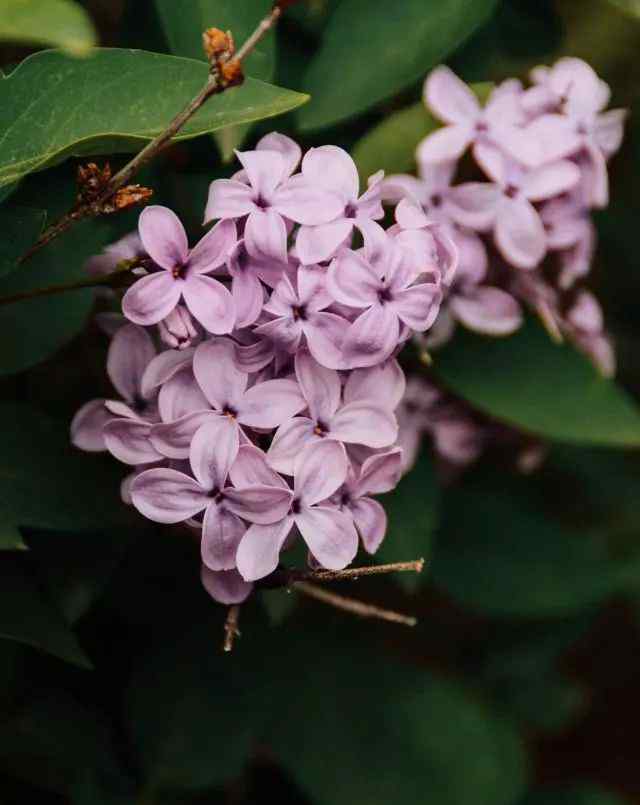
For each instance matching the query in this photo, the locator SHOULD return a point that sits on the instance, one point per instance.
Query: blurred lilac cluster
(524, 235)
(257, 370)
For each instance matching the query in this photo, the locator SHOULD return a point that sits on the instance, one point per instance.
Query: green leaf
(550, 390)
(26, 616)
(184, 24)
(413, 512)
(391, 144)
(52, 107)
(631, 7)
(367, 57)
(46, 483)
(499, 553)
(20, 226)
(53, 23)
(11, 538)
(584, 794)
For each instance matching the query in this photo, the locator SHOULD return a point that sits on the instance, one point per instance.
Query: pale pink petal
(252, 468)
(164, 366)
(329, 534)
(173, 439)
(163, 236)
(320, 386)
(248, 298)
(259, 550)
(214, 448)
(284, 333)
(305, 204)
(519, 234)
(364, 423)
(550, 180)
(492, 160)
(383, 384)
(410, 215)
(151, 298)
(371, 521)
(117, 408)
(259, 503)
(225, 586)
(254, 357)
(285, 146)
(352, 281)
(221, 534)
(290, 438)
(595, 177)
(312, 288)
(265, 235)
(380, 473)
(332, 168)
(401, 185)
(576, 81)
(212, 250)
(130, 352)
(167, 496)
(315, 244)
(320, 468)
(554, 137)
(449, 98)
(608, 130)
(87, 426)
(265, 170)
(487, 310)
(217, 372)
(228, 198)
(181, 395)
(372, 337)
(128, 440)
(269, 404)
(210, 303)
(444, 145)
(325, 334)
(475, 204)
(417, 306)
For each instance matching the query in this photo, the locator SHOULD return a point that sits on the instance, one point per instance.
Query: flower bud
(178, 330)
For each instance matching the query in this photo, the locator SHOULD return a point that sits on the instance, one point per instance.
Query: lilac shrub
(261, 400)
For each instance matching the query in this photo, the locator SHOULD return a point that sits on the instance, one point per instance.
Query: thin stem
(354, 573)
(113, 279)
(231, 627)
(214, 85)
(352, 604)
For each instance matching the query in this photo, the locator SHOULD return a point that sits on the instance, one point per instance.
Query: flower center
(511, 191)
(299, 313)
(216, 494)
(295, 506)
(230, 412)
(350, 211)
(481, 127)
(435, 200)
(262, 202)
(321, 429)
(179, 272)
(384, 295)
(139, 404)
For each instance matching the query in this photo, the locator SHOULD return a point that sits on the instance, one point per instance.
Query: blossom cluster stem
(231, 627)
(352, 605)
(216, 83)
(355, 573)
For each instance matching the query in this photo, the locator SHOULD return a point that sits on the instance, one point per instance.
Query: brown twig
(231, 627)
(224, 74)
(352, 605)
(355, 573)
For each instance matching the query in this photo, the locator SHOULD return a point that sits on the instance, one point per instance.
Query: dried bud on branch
(92, 181)
(218, 45)
(125, 197)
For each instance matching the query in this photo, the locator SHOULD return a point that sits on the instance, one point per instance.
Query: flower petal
(550, 180)
(475, 204)
(259, 503)
(285, 146)
(221, 534)
(269, 404)
(254, 357)
(303, 203)
(284, 333)
(225, 586)
(130, 352)
(228, 198)
(248, 298)
(152, 298)
(164, 366)
(352, 281)
(370, 519)
(444, 145)
(320, 386)
(163, 236)
(487, 310)
(167, 496)
(608, 130)
(418, 306)
(252, 468)
(519, 233)
(212, 250)
(329, 534)
(325, 334)
(258, 554)
(181, 395)
(214, 448)
(449, 98)
(384, 384)
(173, 439)
(364, 423)
(217, 372)
(319, 470)
(265, 235)
(87, 426)
(128, 440)
(290, 438)
(332, 168)
(210, 303)
(372, 337)
(379, 473)
(265, 170)
(315, 244)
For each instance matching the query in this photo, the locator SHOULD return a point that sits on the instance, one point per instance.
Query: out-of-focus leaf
(631, 7)
(97, 786)
(184, 24)
(53, 23)
(367, 56)
(547, 389)
(11, 538)
(548, 703)
(145, 91)
(28, 617)
(413, 509)
(391, 144)
(279, 604)
(20, 228)
(500, 554)
(47, 483)
(581, 794)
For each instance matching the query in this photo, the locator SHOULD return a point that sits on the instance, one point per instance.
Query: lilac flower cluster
(544, 151)
(256, 371)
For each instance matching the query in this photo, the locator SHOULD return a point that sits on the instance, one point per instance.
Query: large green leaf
(631, 7)
(391, 144)
(413, 512)
(498, 552)
(55, 23)
(368, 54)
(548, 389)
(184, 24)
(52, 107)
(20, 228)
(46, 483)
(26, 616)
